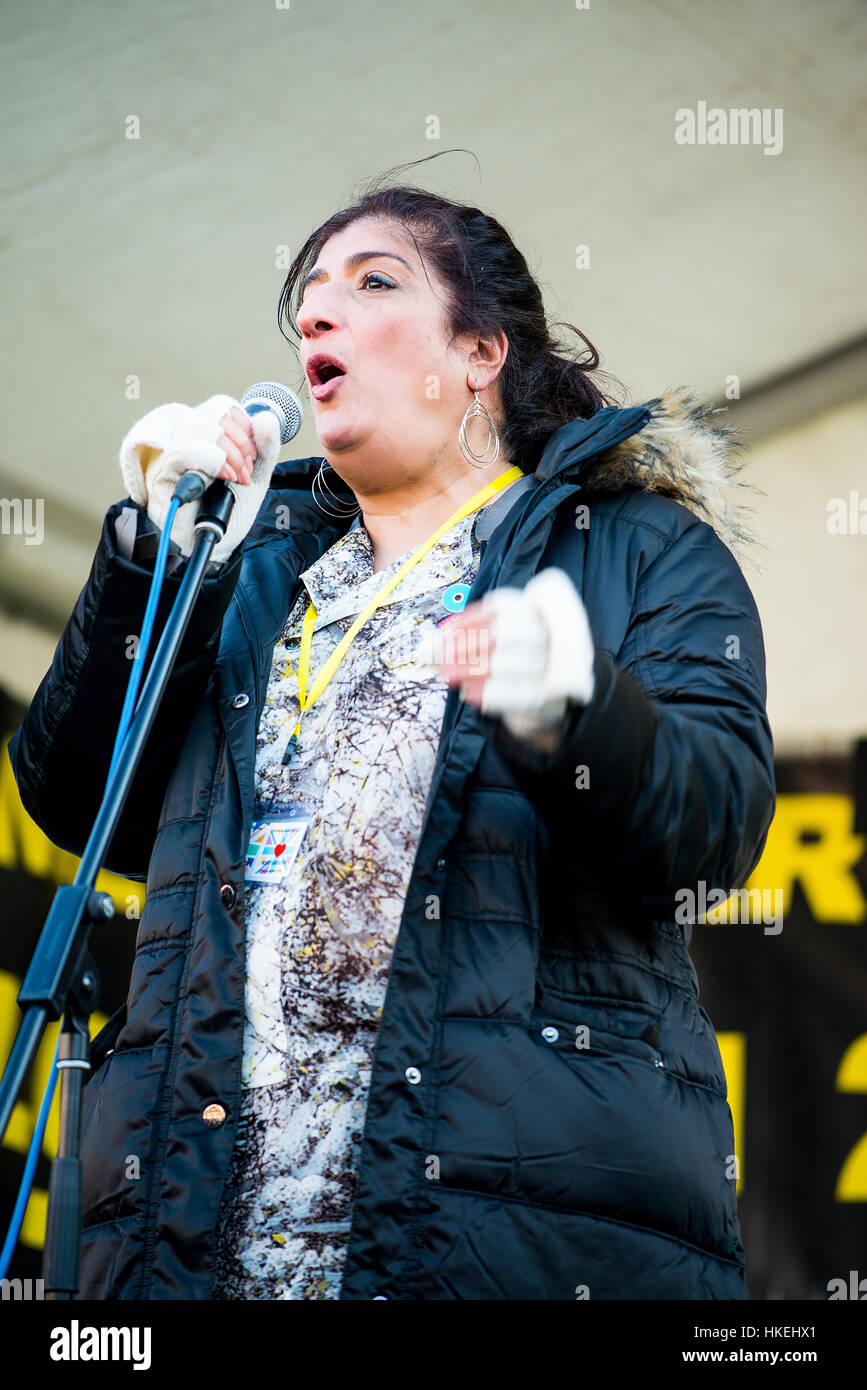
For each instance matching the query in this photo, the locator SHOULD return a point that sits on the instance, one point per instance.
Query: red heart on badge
(278, 849)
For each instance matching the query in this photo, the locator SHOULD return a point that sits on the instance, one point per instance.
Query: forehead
(367, 233)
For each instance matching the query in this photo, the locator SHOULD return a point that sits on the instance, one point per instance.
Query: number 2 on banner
(852, 1076)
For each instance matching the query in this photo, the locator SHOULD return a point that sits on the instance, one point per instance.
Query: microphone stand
(62, 977)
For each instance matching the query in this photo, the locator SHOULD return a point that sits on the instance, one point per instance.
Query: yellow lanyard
(330, 666)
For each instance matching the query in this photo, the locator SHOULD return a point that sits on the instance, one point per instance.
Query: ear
(486, 358)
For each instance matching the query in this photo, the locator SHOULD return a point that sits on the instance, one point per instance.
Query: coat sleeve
(666, 777)
(61, 752)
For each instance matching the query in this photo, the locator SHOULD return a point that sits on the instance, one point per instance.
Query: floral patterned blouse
(319, 943)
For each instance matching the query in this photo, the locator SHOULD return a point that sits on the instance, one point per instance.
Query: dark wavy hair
(489, 287)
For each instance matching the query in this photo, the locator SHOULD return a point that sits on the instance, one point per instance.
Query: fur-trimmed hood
(684, 453)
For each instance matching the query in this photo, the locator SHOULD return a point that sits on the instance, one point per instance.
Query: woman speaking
(465, 703)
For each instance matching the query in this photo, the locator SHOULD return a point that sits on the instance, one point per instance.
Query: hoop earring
(473, 411)
(348, 508)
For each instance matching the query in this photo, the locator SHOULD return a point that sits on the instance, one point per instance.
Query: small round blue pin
(455, 597)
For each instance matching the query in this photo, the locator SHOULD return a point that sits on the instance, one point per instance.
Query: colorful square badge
(275, 839)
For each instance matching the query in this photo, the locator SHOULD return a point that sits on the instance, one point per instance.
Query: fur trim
(682, 454)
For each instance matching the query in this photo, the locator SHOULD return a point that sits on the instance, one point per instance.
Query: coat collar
(342, 581)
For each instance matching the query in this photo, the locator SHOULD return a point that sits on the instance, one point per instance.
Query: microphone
(265, 395)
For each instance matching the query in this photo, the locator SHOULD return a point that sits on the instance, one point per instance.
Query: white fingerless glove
(172, 439)
(542, 654)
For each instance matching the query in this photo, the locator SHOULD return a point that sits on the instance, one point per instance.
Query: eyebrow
(357, 258)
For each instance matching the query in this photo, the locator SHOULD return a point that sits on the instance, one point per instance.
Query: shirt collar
(342, 581)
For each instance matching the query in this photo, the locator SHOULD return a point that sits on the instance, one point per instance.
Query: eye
(377, 275)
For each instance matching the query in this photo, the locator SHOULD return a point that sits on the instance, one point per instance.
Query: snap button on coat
(413, 1075)
(227, 895)
(214, 1115)
(240, 701)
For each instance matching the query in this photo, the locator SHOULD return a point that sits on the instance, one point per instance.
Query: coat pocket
(601, 1129)
(675, 1037)
(119, 1120)
(608, 1027)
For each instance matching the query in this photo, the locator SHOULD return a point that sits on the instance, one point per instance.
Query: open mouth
(322, 367)
(325, 374)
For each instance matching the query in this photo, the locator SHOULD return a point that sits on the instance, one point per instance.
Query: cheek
(390, 340)
(406, 359)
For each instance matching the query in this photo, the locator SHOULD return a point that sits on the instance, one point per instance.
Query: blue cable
(29, 1169)
(145, 636)
(125, 719)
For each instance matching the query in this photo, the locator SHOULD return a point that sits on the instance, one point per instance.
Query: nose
(318, 313)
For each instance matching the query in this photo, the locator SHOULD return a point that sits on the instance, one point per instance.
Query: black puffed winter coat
(572, 1092)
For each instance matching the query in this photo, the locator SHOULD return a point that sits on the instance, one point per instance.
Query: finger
(466, 649)
(475, 615)
(244, 423)
(465, 668)
(241, 466)
(476, 612)
(472, 690)
(240, 436)
(243, 419)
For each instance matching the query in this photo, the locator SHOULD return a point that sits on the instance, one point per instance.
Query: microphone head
(271, 395)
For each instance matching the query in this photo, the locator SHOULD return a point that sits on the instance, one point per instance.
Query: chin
(337, 435)
(334, 438)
